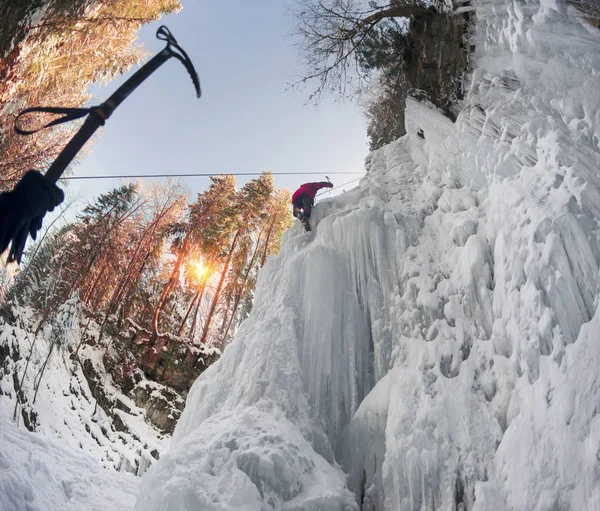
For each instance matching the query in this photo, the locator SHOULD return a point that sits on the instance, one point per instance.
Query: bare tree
(332, 32)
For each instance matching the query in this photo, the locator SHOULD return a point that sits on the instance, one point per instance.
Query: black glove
(328, 184)
(22, 211)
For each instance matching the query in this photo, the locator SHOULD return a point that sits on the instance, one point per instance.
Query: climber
(303, 200)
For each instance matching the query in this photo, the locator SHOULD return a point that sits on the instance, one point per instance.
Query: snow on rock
(58, 399)
(432, 344)
(39, 474)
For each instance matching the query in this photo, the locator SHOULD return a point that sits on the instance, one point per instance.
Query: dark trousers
(303, 202)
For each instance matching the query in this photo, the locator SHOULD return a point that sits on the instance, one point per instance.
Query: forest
(154, 280)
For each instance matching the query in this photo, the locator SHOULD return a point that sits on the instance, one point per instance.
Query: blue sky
(247, 119)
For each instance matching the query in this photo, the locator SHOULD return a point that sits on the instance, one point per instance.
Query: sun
(198, 269)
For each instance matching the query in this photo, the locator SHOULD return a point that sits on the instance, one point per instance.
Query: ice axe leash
(97, 115)
(22, 210)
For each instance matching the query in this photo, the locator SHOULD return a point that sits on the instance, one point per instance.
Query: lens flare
(198, 269)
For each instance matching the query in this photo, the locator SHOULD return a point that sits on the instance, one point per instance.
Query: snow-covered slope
(71, 461)
(37, 473)
(434, 342)
(63, 405)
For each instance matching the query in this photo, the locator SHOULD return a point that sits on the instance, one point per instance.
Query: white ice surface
(434, 341)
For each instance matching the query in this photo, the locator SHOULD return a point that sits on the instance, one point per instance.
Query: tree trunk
(120, 306)
(238, 298)
(215, 300)
(239, 295)
(170, 285)
(92, 288)
(130, 272)
(264, 256)
(43, 238)
(97, 252)
(13, 31)
(197, 296)
(194, 320)
(142, 252)
(392, 11)
(178, 264)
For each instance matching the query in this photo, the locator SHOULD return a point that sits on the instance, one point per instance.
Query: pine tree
(96, 237)
(281, 221)
(141, 244)
(205, 226)
(264, 240)
(247, 211)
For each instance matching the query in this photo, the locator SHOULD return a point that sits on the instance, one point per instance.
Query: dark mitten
(22, 211)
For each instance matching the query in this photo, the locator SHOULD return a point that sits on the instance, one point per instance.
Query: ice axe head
(164, 34)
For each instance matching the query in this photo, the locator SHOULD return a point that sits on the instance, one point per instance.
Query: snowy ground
(64, 404)
(76, 459)
(432, 344)
(39, 473)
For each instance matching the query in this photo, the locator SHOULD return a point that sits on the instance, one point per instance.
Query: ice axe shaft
(97, 115)
(22, 209)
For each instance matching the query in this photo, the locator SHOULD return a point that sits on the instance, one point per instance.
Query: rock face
(97, 386)
(438, 58)
(9, 356)
(163, 405)
(434, 63)
(171, 360)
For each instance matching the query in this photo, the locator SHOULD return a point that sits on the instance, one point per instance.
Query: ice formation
(433, 343)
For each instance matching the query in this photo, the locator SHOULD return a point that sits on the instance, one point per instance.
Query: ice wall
(433, 343)
(493, 396)
(264, 421)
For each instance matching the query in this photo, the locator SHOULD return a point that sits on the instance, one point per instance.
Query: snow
(64, 404)
(39, 474)
(71, 461)
(432, 343)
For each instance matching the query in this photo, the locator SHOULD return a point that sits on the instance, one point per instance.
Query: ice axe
(22, 210)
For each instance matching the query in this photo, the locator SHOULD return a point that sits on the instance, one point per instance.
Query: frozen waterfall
(434, 342)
